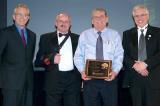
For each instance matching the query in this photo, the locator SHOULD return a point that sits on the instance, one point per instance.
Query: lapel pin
(149, 36)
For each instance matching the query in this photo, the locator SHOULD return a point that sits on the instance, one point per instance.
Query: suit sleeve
(3, 43)
(154, 61)
(41, 53)
(44, 52)
(128, 61)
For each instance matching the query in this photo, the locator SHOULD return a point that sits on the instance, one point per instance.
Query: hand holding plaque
(98, 69)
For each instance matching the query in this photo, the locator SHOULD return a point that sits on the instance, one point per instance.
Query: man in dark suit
(17, 45)
(142, 59)
(62, 80)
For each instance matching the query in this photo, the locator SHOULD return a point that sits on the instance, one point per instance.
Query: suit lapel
(73, 43)
(150, 40)
(148, 34)
(29, 39)
(54, 42)
(134, 37)
(134, 42)
(17, 36)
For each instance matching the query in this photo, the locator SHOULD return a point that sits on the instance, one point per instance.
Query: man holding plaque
(142, 59)
(99, 49)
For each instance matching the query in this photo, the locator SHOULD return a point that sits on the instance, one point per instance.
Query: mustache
(62, 25)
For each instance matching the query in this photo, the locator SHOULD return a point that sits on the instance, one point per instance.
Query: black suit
(144, 90)
(16, 68)
(57, 83)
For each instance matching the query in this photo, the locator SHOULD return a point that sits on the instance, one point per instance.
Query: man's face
(141, 17)
(63, 23)
(21, 16)
(99, 20)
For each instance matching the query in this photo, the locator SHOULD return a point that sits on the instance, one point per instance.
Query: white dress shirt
(66, 59)
(144, 32)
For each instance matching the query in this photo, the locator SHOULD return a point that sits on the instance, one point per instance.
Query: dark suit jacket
(130, 44)
(49, 45)
(16, 66)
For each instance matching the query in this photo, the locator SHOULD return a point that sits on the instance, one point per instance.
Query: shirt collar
(20, 28)
(95, 30)
(145, 27)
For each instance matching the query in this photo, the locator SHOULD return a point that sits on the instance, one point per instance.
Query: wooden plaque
(98, 69)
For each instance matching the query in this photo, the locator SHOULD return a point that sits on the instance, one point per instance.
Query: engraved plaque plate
(98, 69)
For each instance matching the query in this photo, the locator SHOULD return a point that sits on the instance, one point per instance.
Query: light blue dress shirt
(25, 32)
(112, 48)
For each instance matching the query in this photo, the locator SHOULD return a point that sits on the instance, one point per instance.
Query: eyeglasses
(98, 18)
(141, 15)
(22, 15)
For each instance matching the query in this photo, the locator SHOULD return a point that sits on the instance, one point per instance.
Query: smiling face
(21, 16)
(141, 16)
(63, 23)
(99, 20)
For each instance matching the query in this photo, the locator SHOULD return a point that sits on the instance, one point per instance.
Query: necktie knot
(99, 33)
(142, 30)
(60, 34)
(22, 30)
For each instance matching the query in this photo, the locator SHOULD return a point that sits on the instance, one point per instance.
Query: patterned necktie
(99, 47)
(142, 54)
(23, 37)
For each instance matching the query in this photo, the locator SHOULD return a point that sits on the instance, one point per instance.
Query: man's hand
(139, 66)
(144, 72)
(112, 76)
(57, 58)
(84, 77)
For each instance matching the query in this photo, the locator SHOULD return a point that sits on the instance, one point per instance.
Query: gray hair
(140, 7)
(99, 9)
(63, 13)
(21, 6)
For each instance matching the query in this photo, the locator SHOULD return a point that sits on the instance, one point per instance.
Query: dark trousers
(66, 91)
(17, 97)
(100, 93)
(143, 95)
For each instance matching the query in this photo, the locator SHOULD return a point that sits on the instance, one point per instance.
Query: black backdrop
(3, 23)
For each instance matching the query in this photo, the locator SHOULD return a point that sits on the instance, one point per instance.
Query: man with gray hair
(17, 46)
(55, 54)
(142, 59)
(99, 92)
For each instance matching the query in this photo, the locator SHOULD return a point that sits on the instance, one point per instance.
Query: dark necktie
(142, 54)
(60, 34)
(23, 37)
(99, 47)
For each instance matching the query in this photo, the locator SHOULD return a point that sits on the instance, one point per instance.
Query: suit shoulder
(75, 35)
(6, 29)
(31, 32)
(154, 28)
(129, 30)
(48, 35)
